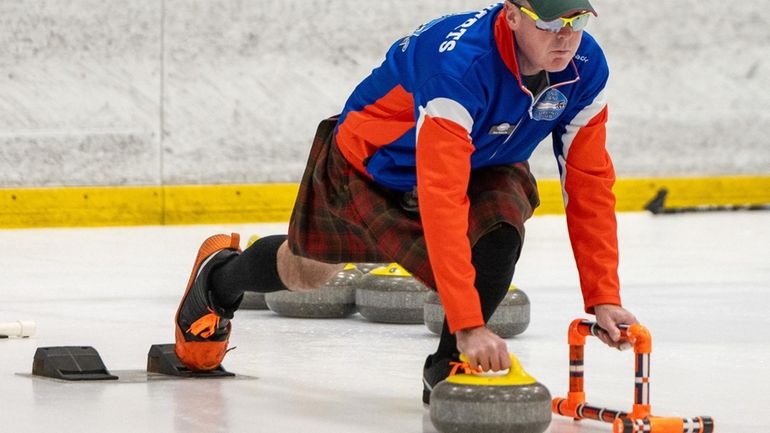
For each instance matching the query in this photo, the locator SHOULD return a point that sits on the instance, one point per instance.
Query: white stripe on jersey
(583, 117)
(448, 109)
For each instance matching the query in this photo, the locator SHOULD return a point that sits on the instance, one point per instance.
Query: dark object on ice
(70, 363)
(658, 206)
(162, 359)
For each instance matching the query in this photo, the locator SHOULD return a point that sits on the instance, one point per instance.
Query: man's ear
(512, 15)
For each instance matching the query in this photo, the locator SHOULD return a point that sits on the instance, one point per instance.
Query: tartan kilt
(342, 216)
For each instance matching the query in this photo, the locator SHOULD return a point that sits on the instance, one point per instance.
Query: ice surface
(700, 282)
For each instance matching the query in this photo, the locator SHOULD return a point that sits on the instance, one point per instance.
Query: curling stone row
(335, 299)
(511, 317)
(316, 304)
(390, 294)
(513, 403)
(386, 294)
(256, 300)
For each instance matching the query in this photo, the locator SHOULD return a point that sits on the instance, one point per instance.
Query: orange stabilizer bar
(637, 334)
(699, 424)
(640, 337)
(580, 411)
(639, 420)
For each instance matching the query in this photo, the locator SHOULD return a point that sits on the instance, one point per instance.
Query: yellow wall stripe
(208, 204)
(78, 207)
(213, 204)
(634, 193)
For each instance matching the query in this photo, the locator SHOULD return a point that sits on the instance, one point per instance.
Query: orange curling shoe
(202, 328)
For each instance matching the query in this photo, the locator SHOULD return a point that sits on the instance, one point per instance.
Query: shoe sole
(203, 355)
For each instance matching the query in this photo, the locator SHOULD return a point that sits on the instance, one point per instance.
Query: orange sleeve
(588, 177)
(444, 150)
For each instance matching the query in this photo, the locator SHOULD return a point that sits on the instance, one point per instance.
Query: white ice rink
(699, 282)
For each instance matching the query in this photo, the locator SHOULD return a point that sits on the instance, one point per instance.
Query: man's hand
(483, 348)
(608, 317)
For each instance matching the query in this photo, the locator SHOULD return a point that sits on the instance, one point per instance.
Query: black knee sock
(494, 257)
(254, 270)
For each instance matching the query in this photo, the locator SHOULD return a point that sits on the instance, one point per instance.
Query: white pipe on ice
(21, 328)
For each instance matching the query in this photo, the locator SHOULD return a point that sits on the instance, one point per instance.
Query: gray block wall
(230, 91)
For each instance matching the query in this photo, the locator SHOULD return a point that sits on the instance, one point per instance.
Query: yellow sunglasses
(576, 23)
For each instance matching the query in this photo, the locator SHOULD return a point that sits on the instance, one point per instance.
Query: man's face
(539, 49)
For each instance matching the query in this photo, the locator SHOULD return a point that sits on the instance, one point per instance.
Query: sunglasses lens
(576, 24)
(550, 26)
(580, 22)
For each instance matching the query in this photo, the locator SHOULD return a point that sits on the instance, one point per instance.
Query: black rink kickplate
(75, 363)
(163, 360)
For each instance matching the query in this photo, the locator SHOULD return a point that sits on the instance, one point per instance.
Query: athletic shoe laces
(206, 326)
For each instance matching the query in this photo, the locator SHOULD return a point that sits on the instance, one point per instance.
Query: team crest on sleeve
(549, 106)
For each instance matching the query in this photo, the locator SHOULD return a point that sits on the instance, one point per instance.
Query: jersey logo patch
(549, 106)
(504, 128)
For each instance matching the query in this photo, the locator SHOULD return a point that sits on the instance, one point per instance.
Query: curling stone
(390, 294)
(511, 317)
(253, 301)
(513, 403)
(335, 299)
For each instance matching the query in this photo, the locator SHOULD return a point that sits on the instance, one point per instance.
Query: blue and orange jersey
(449, 99)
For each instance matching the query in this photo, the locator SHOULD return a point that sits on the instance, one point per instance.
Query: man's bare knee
(300, 273)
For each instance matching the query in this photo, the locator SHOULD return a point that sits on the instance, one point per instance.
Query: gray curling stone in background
(513, 403)
(391, 295)
(253, 301)
(335, 299)
(511, 317)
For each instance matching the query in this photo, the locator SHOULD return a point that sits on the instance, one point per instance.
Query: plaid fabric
(342, 216)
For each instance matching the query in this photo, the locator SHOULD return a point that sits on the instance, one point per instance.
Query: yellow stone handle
(516, 376)
(252, 239)
(392, 270)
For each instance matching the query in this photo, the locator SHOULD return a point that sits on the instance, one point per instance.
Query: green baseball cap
(549, 10)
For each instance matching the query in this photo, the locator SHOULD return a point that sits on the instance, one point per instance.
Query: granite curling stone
(390, 294)
(253, 301)
(335, 299)
(511, 317)
(513, 403)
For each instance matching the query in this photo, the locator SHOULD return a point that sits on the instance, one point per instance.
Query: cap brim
(549, 10)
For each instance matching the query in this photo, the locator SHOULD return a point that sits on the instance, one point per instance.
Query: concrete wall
(154, 92)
